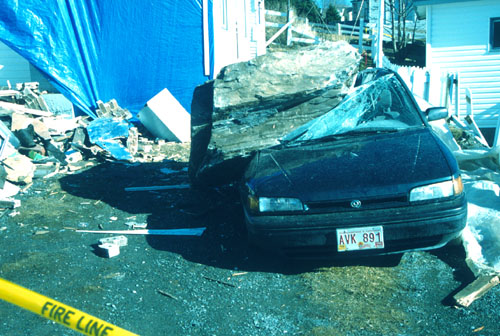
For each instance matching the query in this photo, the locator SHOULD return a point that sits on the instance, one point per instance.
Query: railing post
(361, 34)
(427, 86)
(457, 95)
(496, 139)
(380, 35)
(289, 30)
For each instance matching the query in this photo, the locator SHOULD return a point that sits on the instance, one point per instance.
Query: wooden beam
(16, 108)
(475, 290)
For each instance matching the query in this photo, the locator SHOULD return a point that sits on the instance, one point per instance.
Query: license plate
(363, 238)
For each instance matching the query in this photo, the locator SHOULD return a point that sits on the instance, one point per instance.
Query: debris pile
(251, 105)
(480, 166)
(40, 137)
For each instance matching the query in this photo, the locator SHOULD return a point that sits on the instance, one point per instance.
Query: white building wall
(239, 31)
(458, 41)
(16, 69)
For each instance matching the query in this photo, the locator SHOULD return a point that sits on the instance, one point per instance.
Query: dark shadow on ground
(224, 242)
(454, 255)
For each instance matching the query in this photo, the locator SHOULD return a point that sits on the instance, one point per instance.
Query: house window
(495, 33)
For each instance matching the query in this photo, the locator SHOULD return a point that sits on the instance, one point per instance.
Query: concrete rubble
(250, 105)
(165, 118)
(41, 137)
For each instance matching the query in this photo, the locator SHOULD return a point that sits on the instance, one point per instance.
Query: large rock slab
(251, 105)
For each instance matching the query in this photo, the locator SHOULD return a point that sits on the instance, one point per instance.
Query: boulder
(251, 105)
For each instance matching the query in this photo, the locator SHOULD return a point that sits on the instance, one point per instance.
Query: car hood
(353, 167)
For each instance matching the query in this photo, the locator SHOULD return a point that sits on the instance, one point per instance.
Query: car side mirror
(437, 113)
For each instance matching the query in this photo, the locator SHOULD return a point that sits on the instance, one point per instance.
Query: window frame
(494, 21)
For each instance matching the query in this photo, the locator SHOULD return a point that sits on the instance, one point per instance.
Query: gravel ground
(214, 284)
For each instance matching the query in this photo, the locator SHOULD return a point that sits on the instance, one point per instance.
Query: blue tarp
(100, 49)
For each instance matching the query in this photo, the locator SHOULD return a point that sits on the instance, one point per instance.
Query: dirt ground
(214, 284)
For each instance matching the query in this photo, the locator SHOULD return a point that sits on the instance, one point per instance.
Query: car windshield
(381, 105)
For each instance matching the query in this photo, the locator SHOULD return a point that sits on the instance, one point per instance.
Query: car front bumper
(415, 227)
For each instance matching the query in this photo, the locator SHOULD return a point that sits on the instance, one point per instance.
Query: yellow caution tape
(57, 311)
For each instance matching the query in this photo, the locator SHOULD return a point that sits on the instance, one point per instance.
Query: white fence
(341, 29)
(441, 88)
(310, 34)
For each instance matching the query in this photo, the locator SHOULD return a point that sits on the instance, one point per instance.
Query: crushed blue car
(369, 177)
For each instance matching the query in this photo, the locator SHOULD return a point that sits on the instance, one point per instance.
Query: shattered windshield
(378, 106)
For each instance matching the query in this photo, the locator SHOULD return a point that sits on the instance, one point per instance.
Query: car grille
(345, 205)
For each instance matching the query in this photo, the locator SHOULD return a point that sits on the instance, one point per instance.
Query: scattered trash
(167, 294)
(109, 134)
(220, 282)
(134, 225)
(478, 329)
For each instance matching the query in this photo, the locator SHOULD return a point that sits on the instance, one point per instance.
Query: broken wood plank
(154, 188)
(473, 126)
(16, 108)
(476, 289)
(9, 203)
(159, 232)
(9, 93)
(167, 294)
(220, 281)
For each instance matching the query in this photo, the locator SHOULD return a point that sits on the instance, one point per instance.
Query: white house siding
(239, 31)
(15, 69)
(458, 41)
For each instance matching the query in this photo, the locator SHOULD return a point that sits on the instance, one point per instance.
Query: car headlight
(274, 204)
(437, 190)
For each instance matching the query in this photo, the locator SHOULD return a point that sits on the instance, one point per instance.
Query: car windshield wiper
(298, 142)
(371, 131)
